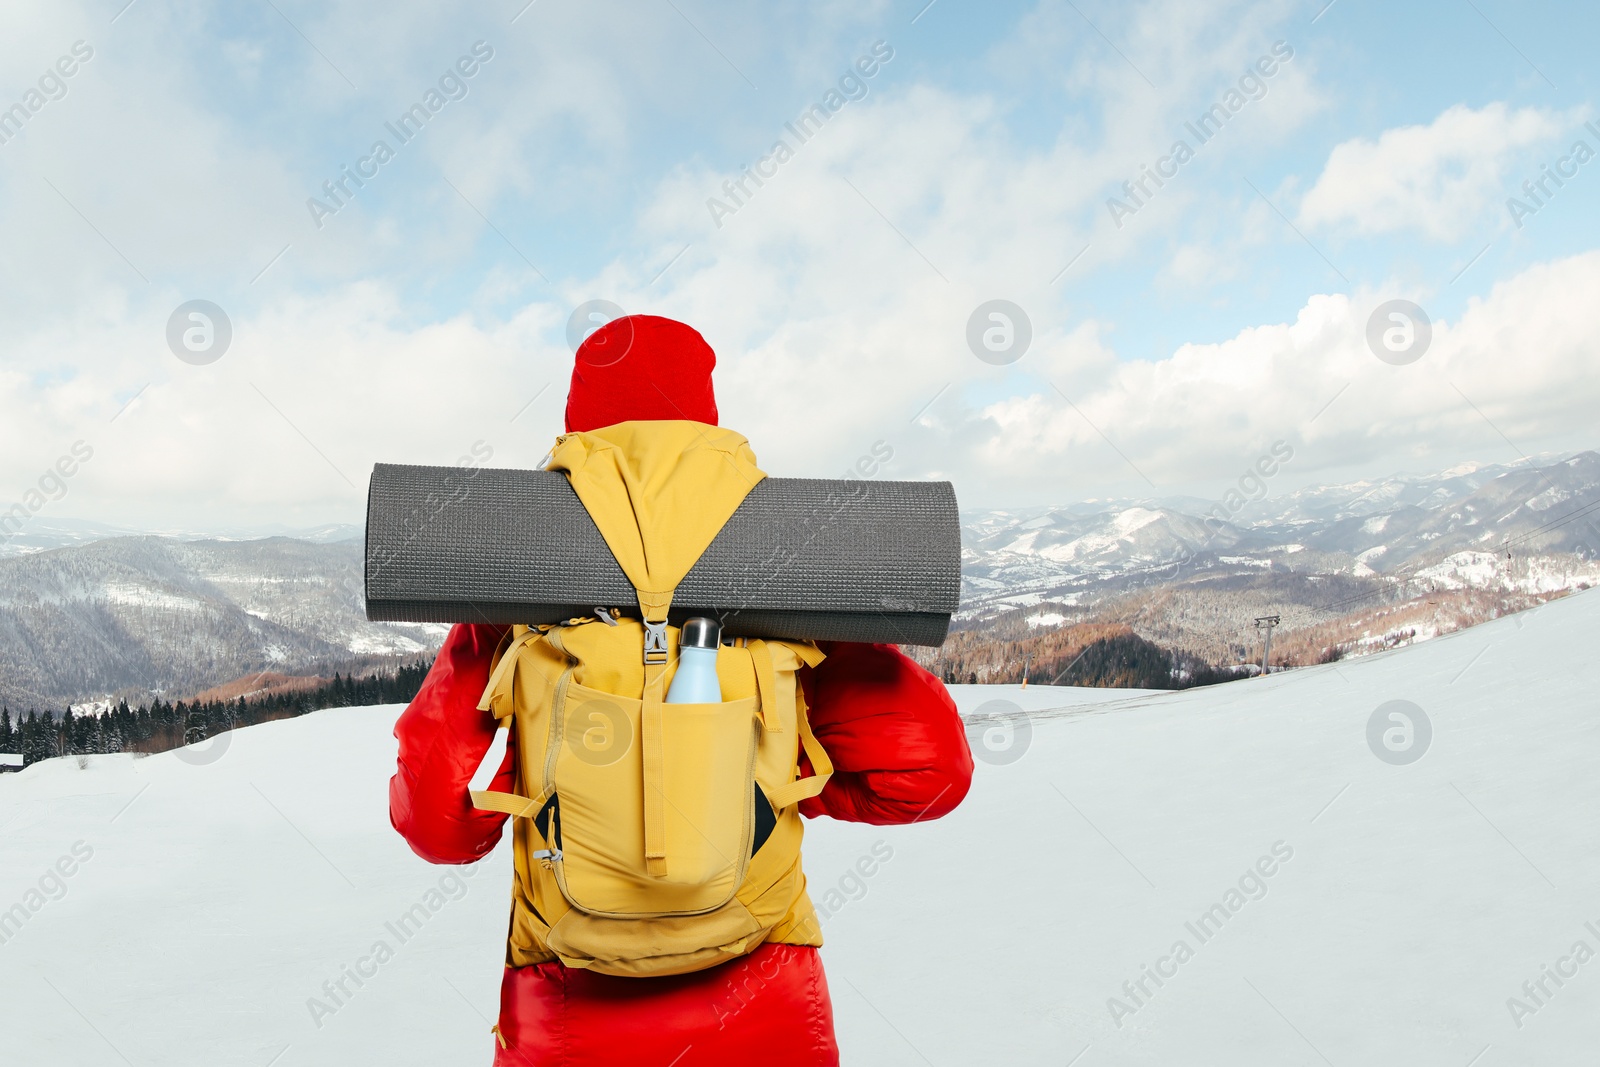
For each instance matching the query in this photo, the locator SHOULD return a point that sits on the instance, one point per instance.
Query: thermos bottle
(696, 680)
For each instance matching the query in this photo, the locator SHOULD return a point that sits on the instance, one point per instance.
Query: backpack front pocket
(595, 766)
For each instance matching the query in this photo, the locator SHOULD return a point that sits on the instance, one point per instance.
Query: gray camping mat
(801, 558)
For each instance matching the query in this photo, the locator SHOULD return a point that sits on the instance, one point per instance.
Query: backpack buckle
(655, 642)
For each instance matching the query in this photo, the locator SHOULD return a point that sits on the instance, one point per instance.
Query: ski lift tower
(1266, 622)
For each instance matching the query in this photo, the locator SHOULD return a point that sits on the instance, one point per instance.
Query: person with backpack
(659, 914)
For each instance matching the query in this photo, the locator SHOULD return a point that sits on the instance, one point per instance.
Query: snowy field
(1332, 907)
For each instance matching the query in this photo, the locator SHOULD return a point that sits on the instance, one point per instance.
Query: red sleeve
(443, 738)
(899, 749)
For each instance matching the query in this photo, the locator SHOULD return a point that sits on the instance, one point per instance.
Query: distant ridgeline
(163, 726)
(1095, 654)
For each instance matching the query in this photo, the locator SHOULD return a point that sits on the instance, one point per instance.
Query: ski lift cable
(1573, 516)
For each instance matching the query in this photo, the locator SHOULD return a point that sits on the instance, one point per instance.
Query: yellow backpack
(653, 838)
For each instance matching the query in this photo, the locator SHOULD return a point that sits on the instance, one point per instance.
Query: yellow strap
(519, 806)
(653, 607)
(808, 652)
(498, 1036)
(503, 670)
(651, 729)
(821, 767)
(766, 685)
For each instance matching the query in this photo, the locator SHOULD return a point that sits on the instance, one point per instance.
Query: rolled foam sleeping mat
(802, 558)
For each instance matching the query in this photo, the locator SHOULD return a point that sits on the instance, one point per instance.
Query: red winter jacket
(900, 755)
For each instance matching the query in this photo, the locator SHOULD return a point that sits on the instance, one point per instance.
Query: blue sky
(1222, 316)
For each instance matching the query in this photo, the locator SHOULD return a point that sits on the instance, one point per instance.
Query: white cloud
(832, 331)
(1512, 365)
(363, 384)
(1440, 179)
(312, 393)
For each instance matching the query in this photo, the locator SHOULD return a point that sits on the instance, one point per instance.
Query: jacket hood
(659, 491)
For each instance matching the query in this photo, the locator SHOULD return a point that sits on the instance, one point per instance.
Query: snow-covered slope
(1405, 903)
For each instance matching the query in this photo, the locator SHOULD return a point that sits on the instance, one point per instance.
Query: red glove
(443, 738)
(899, 749)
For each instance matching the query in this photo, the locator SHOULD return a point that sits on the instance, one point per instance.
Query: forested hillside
(161, 726)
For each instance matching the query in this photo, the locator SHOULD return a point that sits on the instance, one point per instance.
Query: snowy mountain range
(1443, 525)
(88, 612)
(43, 534)
(140, 616)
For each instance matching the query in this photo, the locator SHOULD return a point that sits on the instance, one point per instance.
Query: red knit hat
(641, 367)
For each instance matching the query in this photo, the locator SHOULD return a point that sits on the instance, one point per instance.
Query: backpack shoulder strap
(767, 685)
(500, 693)
(500, 696)
(821, 768)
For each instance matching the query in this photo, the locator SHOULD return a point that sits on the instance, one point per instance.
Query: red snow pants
(769, 1008)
